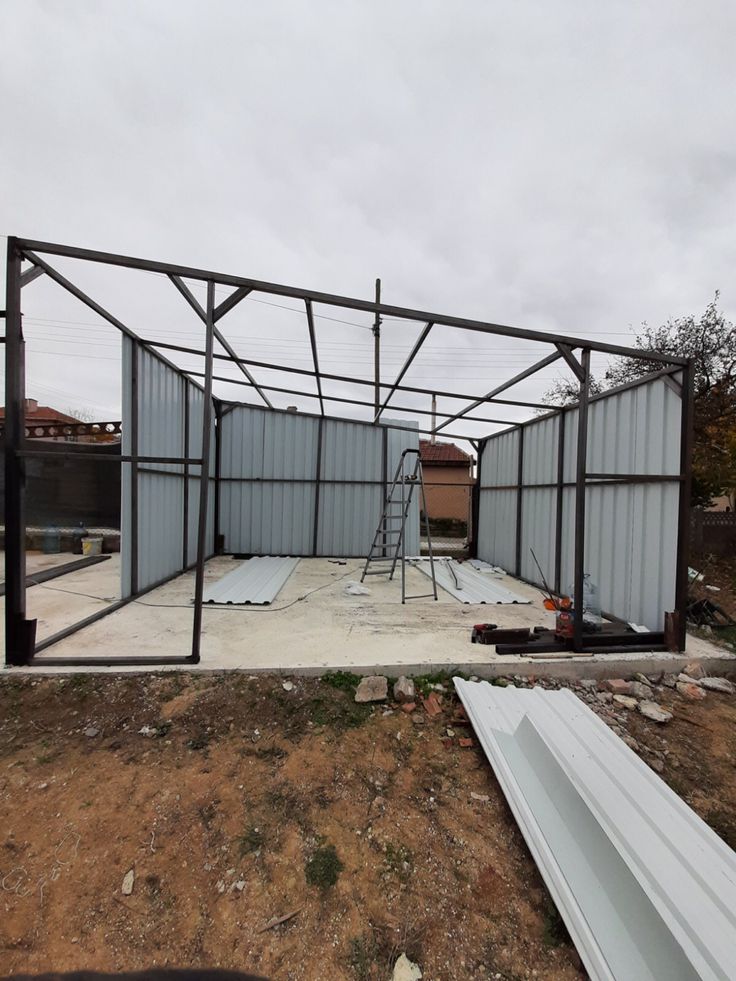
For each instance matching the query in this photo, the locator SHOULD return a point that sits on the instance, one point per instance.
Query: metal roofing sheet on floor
(644, 886)
(258, 580)
(467, 584)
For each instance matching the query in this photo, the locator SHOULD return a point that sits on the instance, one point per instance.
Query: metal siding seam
(667, 911)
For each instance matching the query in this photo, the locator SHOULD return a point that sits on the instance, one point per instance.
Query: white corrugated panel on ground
(646, 889)
(259, 581)
(466, 583)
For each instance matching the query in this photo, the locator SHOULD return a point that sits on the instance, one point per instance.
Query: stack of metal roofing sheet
(645, 888)
(467, 584)
(259, 580)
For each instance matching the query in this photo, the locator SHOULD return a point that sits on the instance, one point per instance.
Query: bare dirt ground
(240, 802)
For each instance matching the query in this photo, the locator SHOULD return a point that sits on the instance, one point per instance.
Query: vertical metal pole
(204, 481)
(519, 501)
(560, 501)
(377, 353)
(403, 519)
(134, 357)
(582, 452)
(18, 644)
(218, 468)
(475, 491)
(384, 485)
(683, 518)
(317, 487)
(185, 523)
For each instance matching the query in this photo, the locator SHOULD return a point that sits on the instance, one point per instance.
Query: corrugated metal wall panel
(497, 527)
(348, 515)
(277, 517)
(501, 463)
(631, 530)
(399, 440)
(161, 427)
(540, 452)
(538, 510)
(267, 519)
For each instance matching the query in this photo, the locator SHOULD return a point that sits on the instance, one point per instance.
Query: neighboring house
(46, 423)
(448, 480)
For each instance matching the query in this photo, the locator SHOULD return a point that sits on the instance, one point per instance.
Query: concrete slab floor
(314, 625)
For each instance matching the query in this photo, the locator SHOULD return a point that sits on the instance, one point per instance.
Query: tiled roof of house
(442, 453)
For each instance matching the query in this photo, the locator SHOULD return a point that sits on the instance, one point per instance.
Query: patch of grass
(340, 713)
(199, 742)
(363, 955)
(423, 683)
(252, 840)
(342, 680)
(323, 867)
(47, 758)
(399, 861)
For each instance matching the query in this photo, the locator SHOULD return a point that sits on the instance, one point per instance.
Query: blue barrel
(51, 541)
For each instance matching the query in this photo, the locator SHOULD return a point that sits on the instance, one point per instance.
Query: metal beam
(18, 630)
(28, 275)
(195, 305)
(412, 354)
(330, 299)
(188, 296)
(340, 398)
(580, 493)
(342, 378)
(682, 582)
(531, 370)
(231, 301)
(98, 309)
(315, 359)
(377, 353)
(572, 361)
(204, 481)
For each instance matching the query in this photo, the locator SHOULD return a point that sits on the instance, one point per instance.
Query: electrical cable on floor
(229, 608)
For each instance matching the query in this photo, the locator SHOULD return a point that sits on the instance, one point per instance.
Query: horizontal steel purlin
(330, 299)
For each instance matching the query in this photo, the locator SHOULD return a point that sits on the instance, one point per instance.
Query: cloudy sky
(559, 165)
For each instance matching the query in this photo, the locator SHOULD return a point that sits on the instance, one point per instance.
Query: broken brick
(616, 686)
(466, 743)
(433, 705)
(692, 692)
(408, 707)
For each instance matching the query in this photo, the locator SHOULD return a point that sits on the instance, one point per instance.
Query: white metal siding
(269, 514)
(631, 530)
(161, 409)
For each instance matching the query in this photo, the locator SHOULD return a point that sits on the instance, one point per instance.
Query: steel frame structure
(20, 643)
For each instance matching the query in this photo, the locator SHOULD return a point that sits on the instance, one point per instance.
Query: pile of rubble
(614, 700)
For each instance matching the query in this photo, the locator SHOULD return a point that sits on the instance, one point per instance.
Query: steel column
(580, 490)
(519, 501)
(683, 517)
(560, 500)
(134, 468)
(377, 353)
(18, 630)
(204, 481)
(317, 484)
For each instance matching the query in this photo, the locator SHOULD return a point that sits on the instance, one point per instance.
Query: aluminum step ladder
(389, 541)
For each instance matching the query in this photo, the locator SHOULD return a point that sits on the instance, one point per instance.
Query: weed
(339, 713)
(399, 861)
(251, 840)
(342, 680)
(323, 867)
(423, 683)
(363, 955)
(198, 742)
